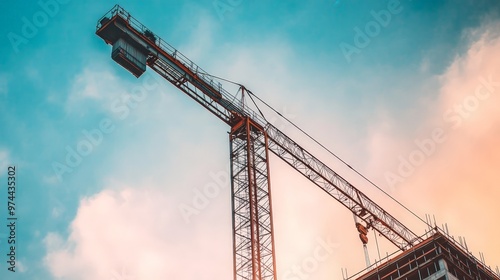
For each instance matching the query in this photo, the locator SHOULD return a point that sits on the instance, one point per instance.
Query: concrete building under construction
(439, 257)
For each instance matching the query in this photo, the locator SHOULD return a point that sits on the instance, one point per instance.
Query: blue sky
(58, 84)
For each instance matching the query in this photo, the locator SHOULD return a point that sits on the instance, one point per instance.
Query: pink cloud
(135, 232)
(459, 179)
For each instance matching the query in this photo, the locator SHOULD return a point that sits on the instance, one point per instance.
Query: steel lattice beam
(253, 242)
(340, 189)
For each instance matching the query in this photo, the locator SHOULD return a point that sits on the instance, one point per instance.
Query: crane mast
(252, 138)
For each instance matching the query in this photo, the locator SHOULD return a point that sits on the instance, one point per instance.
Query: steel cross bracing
(253, 244)
(337, 187)
(252, 222)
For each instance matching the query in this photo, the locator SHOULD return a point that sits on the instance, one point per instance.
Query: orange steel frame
(253, 241)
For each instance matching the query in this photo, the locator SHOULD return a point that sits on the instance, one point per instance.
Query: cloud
(97, 86)
(200, 36)
(459, 178)
(138, 229)
(462, 178)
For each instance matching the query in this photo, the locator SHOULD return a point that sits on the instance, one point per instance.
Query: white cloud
(98, 89)
(201, 37)
(20, 266)
(95, 83)
(139, 229)
(458, 180)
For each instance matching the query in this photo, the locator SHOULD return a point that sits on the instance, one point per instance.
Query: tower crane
(252, 138)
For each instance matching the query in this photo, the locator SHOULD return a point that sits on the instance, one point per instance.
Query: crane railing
(172, 52)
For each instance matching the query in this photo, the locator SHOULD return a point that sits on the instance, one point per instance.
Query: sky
(407, 92)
